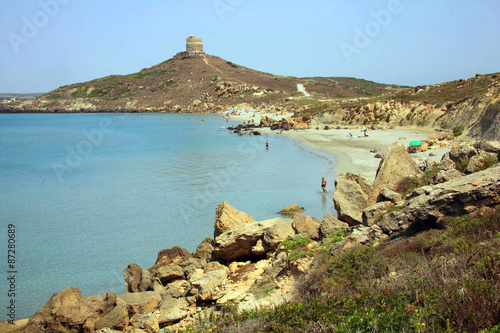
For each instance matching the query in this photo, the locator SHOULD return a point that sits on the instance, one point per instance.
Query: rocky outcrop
(429, 204)
(227, 217)
(141, 302)
(68, 311)
(239, 242)
(172, 309)
(393, 173)
(351, 197)
(388, 195)
(174, 254)
(146, 322)
(330, 224)
(209, 284)
(306, 226)
(137, 279)
(292, 209)
(247, 265)
(373, 213)
(205, 250)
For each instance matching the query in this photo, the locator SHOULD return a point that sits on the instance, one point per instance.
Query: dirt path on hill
(210, 65)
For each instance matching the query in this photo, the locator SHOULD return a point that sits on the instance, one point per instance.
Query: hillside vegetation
(197, 83)
(440, 280)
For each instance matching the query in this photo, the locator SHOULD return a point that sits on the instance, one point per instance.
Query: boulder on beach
(396, 167)
(351, 197)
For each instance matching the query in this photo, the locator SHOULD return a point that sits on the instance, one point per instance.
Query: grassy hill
(198, 83)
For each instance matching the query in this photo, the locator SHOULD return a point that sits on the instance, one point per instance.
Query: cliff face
(472, 104)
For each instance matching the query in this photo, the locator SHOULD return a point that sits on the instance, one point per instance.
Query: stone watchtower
(194, 45)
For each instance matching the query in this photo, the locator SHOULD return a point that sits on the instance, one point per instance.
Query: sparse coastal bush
(296, 247)
(436, 281)
(457, 131)
(54, 96)
(489, 161)
(98, 93)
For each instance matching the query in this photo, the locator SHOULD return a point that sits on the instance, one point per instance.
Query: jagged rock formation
(351, 197)
(227, 217)
(246, 264)
(396, 166)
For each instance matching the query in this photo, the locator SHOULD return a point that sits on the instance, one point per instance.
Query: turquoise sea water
(90, 193)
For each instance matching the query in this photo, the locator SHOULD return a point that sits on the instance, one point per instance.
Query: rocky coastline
(247, 263)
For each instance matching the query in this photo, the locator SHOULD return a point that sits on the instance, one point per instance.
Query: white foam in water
(90, 194)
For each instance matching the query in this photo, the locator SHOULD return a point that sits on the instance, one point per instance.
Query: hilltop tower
(194, 45)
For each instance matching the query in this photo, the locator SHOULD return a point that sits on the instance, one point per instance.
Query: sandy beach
(356, 154)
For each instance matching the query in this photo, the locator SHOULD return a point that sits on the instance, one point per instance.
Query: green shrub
(489, 161)
(295, 247)
(334, 237)
(457, 130)
(358, 264)
(98, 93)
(54, 96)
(461, 164)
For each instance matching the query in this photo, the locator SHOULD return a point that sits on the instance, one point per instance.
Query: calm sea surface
(90, 193)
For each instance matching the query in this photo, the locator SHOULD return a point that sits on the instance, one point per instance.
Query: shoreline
(356, 154)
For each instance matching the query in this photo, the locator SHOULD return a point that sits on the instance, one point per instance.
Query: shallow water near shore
(90, 193)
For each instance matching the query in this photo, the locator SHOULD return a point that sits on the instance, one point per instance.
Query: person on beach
(350, 135)
(323, 184)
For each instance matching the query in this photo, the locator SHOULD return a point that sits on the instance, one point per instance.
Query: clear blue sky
(45, 44)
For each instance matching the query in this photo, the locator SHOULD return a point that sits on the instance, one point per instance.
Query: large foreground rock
(394, 170)
(306, 225)
(68, 311)
(351, 197)
(456, 197)
(228, 217)
(240, 242)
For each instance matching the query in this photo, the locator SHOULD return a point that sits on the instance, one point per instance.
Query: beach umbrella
(415, 143)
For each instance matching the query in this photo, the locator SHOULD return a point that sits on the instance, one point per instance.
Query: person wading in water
(323, 184)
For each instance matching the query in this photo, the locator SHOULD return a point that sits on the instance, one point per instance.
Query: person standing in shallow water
(323, 184)
(267, 144)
